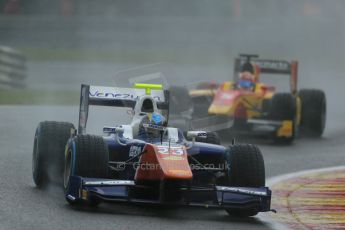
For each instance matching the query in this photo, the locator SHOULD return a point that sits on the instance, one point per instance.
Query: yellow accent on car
(148, 87)
(179, 171)
(227, 85)
(286, 130)
(248, 101)
(202, 92)
(84, 194)
(221, 109)
(269, 95)
(149, 116)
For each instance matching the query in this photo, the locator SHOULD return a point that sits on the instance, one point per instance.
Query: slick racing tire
(211, 138)
(313, 117)
(86, 156)
(283, 107)
(48, 152)
(246, 169)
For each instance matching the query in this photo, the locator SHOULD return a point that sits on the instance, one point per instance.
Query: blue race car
(146, 161)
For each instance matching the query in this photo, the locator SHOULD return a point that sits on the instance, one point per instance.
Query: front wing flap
(280, 128)
(87, 189)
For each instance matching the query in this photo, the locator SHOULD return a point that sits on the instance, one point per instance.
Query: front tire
(283, 108)
(247, 169)
(48, 151)
(86, 156)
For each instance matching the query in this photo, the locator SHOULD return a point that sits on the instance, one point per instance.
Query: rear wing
(271, 67)
(118, 97)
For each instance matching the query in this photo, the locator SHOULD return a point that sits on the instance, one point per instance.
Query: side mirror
(108, 130)
(194, 134)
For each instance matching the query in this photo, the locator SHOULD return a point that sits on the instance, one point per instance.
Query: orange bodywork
(227, 100)
(164, 163)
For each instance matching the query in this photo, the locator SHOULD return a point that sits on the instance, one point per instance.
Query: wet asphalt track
(22, 206)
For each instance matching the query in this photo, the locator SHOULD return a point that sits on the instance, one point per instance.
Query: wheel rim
(68, 168)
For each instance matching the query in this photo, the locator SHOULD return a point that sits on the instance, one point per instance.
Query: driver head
(152, 123)
(246, 80)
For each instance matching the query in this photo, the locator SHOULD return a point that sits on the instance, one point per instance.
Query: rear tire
(283, 107)
(86, 156)
(247, 169)
(48, 153)
(313, 117)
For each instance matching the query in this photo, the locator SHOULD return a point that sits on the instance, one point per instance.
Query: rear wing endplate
(117, 97)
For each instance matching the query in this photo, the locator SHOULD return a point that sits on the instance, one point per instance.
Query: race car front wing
(87, 189)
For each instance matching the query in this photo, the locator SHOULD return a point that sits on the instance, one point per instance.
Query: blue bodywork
(206, 189)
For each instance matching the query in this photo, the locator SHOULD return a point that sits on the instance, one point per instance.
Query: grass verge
(38, 97)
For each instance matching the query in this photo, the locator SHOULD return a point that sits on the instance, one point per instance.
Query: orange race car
(248, 106)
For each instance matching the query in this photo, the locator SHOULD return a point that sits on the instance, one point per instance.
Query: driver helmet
(246, 81)
(247, 78)
(152, 124)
